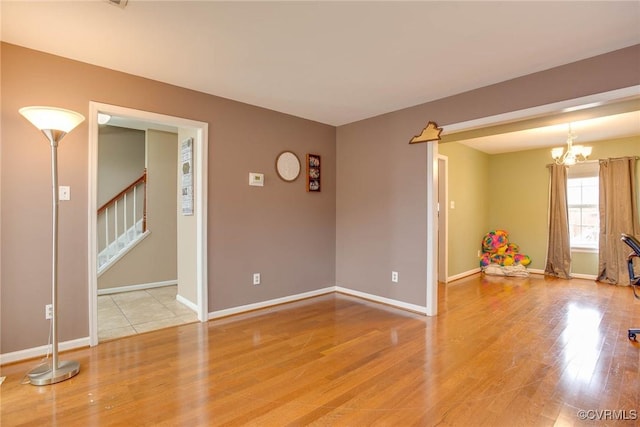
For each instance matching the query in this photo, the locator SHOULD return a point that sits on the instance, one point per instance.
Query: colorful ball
(485, 260)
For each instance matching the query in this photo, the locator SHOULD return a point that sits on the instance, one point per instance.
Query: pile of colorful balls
(496, 249)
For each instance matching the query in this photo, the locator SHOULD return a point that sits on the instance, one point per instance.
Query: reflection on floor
(134, 312)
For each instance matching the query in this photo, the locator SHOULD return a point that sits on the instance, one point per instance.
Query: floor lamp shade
(52, 118)
(54, 123)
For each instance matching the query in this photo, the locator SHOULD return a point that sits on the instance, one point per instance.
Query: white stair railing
(114, 232)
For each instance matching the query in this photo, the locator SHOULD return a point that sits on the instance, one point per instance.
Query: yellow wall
(468, 180)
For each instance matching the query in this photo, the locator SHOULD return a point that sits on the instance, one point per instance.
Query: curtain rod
(599, 160)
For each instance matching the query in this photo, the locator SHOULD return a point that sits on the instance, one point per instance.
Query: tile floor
(130, 313)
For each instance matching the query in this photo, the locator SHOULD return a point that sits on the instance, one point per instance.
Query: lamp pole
(54, 123)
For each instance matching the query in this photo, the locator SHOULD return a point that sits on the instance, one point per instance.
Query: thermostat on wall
(256, 179)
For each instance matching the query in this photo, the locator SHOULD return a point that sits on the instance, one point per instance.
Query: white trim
(542, 110)
(573, 275)
(269, 303)
(201, 202)
(388, 301)
(138, 287)
(584, 276)
(34, 352)
(182, 300)
(584, 250)
(128, 249)
(201, 154)
(463, 274)
(431, 302)
(443, 213)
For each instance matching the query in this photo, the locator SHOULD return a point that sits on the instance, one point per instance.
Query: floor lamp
(55, 123)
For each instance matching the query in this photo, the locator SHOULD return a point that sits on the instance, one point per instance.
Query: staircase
(119, 247)
(122, 223)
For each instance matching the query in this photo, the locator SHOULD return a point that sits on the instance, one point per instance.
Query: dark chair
(635, 280)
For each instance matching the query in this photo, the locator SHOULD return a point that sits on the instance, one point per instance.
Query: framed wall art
(186, 169)
(313, 173)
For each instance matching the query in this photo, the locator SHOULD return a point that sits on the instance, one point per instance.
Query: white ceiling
(333, 62)
(586, 131)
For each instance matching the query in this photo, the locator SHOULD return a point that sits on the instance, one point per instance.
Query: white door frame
(200, 201)
(443, 218)
(432, 229)
(432, 168)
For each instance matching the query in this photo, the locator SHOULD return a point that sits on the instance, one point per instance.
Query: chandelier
(574, 153)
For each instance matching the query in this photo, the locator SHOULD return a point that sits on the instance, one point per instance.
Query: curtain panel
(618, 214)
(559, 250)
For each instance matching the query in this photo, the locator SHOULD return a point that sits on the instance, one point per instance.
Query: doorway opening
(591, 106)
(192, 226)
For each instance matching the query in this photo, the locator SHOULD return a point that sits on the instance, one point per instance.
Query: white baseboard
(574, 275)
(463, 274)
(388, 301)
(182, 300)
(141, 286)
(584, 276)
(32, 353)
(264, 304)
(85, 342)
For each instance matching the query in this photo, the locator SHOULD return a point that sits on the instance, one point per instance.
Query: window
(582, 200)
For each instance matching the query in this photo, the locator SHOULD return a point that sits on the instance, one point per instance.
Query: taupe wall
(298, 241)
(381, 197)
(153, 260)
(279, 230)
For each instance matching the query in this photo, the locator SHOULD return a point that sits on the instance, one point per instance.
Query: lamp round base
(65, 370)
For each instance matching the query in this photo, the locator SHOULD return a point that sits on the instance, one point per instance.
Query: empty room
(319, 213)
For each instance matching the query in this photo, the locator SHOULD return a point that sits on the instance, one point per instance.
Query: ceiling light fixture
(574, 153)
(120, 3)
(103, 118)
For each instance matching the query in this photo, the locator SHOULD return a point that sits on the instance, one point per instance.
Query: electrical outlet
(479, 254)
(394, 276)
(48, 311)
(256, 278)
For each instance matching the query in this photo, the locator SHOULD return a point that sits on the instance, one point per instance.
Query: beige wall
(279, 230)
(381, 197)
(121, 160)
(153, 260)
(187, 229)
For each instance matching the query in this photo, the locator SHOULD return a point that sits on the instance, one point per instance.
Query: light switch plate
(256, 179)
(64, 192)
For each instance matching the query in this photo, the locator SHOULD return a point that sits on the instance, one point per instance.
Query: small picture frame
(313, 173)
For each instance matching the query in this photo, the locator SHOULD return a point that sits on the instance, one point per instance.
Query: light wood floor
(518, 352)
